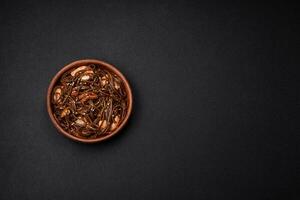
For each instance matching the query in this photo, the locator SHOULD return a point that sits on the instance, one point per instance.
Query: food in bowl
(90, 101)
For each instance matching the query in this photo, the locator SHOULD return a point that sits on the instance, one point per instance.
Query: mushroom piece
(57, 94)
(65, 112)
(104, 80)
(87, 96)
(80, 69)
(80, 122)
(115, 123)
(102, 124)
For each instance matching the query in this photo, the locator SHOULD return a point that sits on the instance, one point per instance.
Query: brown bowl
(77, 64)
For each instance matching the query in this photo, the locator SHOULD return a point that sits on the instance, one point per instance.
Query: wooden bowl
(106, 66)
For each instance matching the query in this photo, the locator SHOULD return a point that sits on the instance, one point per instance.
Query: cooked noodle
(89, 101)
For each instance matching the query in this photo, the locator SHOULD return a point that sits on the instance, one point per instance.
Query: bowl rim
(78, 63)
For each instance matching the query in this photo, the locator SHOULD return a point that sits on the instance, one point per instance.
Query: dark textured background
(216, 99)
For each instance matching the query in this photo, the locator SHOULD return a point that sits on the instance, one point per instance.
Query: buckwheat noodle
(89, 101)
